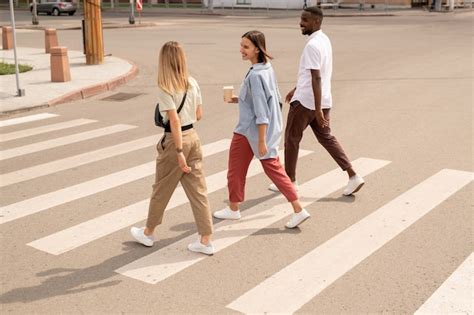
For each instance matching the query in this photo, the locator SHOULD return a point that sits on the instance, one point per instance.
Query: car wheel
(72, 13)
(55, 12)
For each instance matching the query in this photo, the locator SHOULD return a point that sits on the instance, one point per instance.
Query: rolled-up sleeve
(259, 100)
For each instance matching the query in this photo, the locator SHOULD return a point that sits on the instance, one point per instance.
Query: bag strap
(182, 102)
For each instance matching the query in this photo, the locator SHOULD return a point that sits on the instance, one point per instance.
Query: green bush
(7, 68)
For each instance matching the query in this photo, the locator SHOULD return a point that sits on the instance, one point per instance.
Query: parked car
(54, 7)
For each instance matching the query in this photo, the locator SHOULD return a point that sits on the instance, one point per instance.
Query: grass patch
(8, 68)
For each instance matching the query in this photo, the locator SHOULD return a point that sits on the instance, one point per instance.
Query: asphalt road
(402, 89)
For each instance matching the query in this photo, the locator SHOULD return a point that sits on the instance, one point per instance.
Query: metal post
(20, 92)
(34, 18)
(131, 18)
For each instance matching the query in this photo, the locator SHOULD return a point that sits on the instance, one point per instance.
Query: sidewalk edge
(96, 89)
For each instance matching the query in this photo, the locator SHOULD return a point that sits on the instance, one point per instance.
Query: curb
(95, 89)
(69, 28)
(82, 93)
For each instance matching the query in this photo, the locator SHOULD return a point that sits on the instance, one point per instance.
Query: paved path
(76, 176)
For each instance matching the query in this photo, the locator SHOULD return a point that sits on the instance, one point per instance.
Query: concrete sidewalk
(86, 80)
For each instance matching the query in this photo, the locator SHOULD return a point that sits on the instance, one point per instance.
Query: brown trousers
(299, 117)
(168, 174)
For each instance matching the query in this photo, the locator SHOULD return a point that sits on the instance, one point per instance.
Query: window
(244, 2)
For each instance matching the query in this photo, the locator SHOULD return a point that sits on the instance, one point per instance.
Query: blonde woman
(179, 151)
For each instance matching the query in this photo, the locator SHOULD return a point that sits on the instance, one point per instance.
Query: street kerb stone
(123, 79)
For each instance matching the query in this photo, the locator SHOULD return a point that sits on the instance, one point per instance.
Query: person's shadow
(65, 281)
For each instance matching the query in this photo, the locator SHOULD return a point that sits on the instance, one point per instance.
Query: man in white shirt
(311, 101)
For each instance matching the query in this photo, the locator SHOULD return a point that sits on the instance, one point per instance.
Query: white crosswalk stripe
(318, 269)
(455, 295)
(46, 201)
(44, 129)
(49, 144)
(36, 171)
(94, 229)
(22, 120)
(175, 257)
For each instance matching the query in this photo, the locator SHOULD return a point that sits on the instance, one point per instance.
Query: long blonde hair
(172, 68)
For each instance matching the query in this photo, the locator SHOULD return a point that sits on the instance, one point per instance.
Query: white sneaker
(199, 247)
(297, 218)
(274, 188)
(228, 214)
(354, 185)
(139, 235)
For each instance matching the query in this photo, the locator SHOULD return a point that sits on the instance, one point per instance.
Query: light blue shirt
(259, 103)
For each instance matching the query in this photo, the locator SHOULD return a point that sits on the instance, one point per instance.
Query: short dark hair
(258, 39)
(315, 11)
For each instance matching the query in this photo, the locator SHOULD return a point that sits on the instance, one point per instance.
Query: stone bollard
(50, 39)
(7, 37)
(60, 65)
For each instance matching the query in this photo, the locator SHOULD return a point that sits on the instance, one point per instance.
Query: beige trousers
(168, 174)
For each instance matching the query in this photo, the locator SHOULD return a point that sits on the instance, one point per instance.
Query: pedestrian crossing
(308, 275)
(50, 144)
(45, 129)
(111, 222)
(75, 161)
(49, 200)
(319, 268)
(174, 258)
(26, 119)
(456, 294)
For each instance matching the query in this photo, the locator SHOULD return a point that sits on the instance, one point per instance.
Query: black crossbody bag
(159, 118)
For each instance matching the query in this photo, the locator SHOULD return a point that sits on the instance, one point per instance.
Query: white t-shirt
(317, 55)
(187, 114)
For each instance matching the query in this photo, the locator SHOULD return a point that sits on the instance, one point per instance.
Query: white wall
(275, 4)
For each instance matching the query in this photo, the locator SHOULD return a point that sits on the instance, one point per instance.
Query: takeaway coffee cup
(228, 92)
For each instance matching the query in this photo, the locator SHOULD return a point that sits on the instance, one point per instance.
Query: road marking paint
(22, 120)
(106, 224)
(55, 198)
(54, 143)
(44, 129)
(175, 257)
(289, 289)
(455, 295)
(75, 161)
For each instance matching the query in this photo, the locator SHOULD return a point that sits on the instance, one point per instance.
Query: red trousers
(240, 156)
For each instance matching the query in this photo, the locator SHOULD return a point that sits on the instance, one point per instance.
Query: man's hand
(321, 120)
(182, 163)
(262, 148)
(289, 96)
